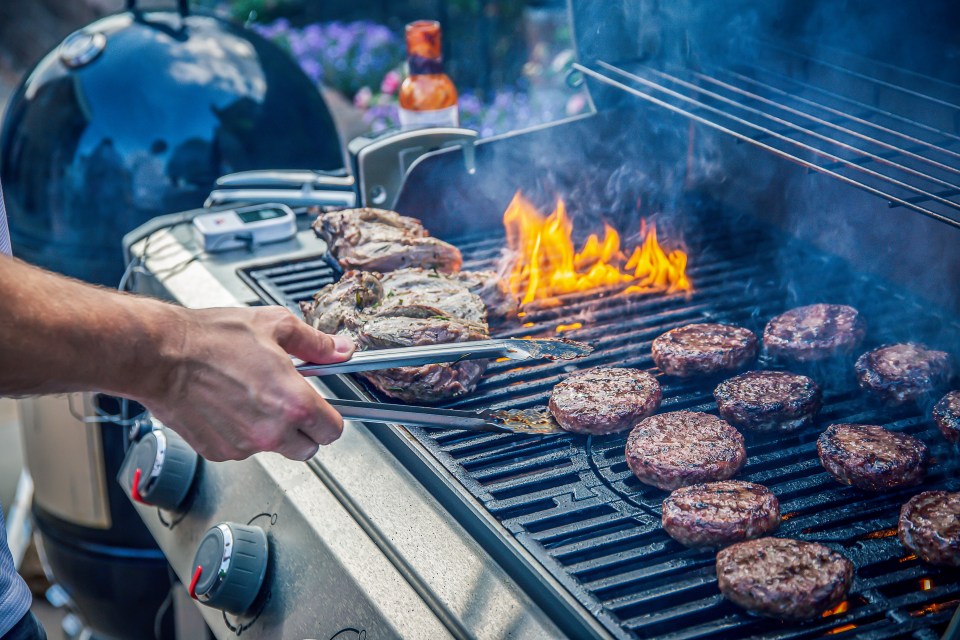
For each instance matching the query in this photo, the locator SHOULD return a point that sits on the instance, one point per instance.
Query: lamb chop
(428, 383)
(381, 240)
(435, 293)
(344, 305)
(406, 308)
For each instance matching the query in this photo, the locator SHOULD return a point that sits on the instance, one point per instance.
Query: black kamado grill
(791, 172)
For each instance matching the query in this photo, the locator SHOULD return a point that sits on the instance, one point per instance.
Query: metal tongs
(514, 349)
(528, 421)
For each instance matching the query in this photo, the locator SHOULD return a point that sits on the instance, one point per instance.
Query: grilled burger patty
(900, 373)
(783, 578)
(604, 400)
(930, 527)
(947, 416)
(871, 457)
(680, 448)
(703, 349)
(814, 332)
(718, 513)
(768, 400)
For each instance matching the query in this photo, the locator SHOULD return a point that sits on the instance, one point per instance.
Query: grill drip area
(574, 505)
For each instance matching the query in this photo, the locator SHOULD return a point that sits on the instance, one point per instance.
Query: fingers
(326, 427)
(298, 447)
(303, 341)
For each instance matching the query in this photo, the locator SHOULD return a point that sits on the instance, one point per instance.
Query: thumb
(311, 345)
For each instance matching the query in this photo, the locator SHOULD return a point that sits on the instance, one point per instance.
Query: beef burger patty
(814, 332)
(718, 513)
(930, 527)
(680, 448)
(703, 349)
(768, 401)
(947, 416)
(604, 400)
(871, 457)
(783, 578)
(900, 373)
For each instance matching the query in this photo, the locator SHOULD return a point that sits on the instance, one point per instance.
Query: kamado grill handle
(183, 6)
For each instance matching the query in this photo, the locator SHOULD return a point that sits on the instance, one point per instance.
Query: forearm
(59, 334)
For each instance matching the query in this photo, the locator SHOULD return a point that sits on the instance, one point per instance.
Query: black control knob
(229, 567)
(159, 469)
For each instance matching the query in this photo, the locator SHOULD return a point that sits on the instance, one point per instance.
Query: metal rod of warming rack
(854, 103)
(783, 138)
(768, 87)
(783, 154)
(830, 125)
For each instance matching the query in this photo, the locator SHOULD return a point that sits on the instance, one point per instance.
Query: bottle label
(448, 117)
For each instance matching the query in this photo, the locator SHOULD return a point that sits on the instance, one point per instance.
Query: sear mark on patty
(946, 414)
(904, 372)
(604, 400)
(768, 401)
(814, 332)
(872, 458)
(929, 526)
(783, 578)
(704, 349)
(681, 448)
(719, 513)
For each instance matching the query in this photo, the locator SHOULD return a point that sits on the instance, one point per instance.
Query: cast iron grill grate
(573, 503)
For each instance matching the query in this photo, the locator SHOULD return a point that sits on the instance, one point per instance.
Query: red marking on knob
(135, 489)
(193, 581)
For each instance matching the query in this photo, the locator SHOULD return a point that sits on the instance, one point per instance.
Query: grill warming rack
(573, 504)
(881, 150)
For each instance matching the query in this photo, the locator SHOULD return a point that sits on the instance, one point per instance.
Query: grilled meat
(783, 578)
(436, 294)
(703, 349)
(871, 457)
(930, 527)
(719, 513)
(380, 240)
(604, 400)
(492, 289)
(901, 373)
(344, 304)
(681, 448)
(768, 401)
(814, 332)
(946, 414)
(427, 383)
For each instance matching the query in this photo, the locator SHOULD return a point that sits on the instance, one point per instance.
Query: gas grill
(789, 180)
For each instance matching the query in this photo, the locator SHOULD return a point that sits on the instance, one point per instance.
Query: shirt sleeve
(4, 230)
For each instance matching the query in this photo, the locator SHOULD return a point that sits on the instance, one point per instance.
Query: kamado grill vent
(574, 505)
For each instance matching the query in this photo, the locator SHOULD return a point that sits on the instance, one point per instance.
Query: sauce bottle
(428, 97)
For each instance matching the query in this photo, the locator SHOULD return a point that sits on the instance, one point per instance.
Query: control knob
(229, 567)
(159, 469)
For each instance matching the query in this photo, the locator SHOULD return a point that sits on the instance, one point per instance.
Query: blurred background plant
(510, 60)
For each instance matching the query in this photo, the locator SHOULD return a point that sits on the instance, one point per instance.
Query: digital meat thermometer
(245, 226)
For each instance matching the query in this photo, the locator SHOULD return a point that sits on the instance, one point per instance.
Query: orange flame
(546, 263)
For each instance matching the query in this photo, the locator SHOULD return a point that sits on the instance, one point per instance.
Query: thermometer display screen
(258, 215)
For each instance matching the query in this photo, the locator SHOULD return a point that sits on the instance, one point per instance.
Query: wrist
(156, 348)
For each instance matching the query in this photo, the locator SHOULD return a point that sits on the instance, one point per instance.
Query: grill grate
(573, 503)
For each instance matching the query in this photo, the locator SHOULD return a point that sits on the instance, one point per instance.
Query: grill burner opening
(574, 505)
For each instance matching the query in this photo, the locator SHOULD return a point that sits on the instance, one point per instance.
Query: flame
(569, 327)
(546, 264)
(840, 608)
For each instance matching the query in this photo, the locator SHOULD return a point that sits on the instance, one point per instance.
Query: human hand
(229, 388)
